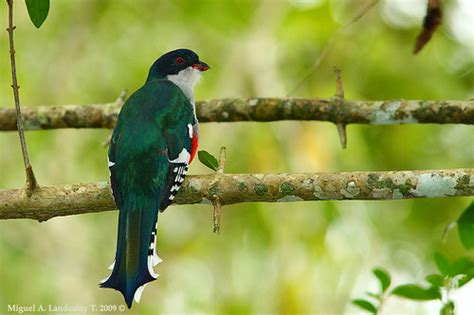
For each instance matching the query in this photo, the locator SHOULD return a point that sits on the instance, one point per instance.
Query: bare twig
(341, 126)
(31, 183)
(362, 12)
(339, 84)
(121, 98)
(341, 131)
(222, 158)
(216, 216)
(329, 43)
(447, 229)
(433, 18)
(216, 203)
(65, 200)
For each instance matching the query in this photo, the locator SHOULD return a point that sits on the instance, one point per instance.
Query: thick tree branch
(31, 183)
(258, 109)
(49, 202)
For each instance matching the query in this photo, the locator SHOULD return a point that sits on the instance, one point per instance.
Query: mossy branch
(336, 110)
(49, 202)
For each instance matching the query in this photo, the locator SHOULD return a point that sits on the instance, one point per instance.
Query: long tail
(136, 252)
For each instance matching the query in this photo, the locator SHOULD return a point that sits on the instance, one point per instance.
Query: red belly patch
(194, 146)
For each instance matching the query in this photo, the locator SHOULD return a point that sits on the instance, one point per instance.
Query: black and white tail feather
(176, 173)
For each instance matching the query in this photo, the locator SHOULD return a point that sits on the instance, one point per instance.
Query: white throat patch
(186, 79)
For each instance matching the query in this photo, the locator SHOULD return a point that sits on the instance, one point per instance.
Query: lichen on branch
(49, 202)
(334, 110)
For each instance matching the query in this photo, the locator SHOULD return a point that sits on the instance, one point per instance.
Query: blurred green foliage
(452, 276)
(304, 257)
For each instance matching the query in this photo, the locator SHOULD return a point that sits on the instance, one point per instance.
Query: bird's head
(180, 64)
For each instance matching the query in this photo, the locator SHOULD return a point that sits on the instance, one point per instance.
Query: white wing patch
(110, 163)
(183, 157)
(175, 188)
(180, 172)
(190, 130)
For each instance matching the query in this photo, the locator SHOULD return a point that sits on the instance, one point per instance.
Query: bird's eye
(180, 60)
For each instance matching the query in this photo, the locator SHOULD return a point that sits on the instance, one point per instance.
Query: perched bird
(154, 140)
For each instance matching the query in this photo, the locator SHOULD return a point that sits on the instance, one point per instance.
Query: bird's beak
(201, 66)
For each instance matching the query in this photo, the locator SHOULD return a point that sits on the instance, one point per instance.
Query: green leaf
(466, 227)
(435, 280)
(460, 266)
(38, 11)
(383, 276)
(470, 271)
(465, 279)
(442, 263)
(366, 305)
(447, 309)
(416, 292)
(208, 159)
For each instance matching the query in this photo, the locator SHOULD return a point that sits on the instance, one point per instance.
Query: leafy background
(309, 257)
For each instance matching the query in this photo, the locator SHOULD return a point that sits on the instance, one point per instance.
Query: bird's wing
(147, 144)
(181, 146)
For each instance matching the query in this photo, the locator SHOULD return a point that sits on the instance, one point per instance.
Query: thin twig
(216, 216)
(329, 44)
(121, 98)
(216, 203)
(431, 22)
(361, 13)
(31, 183)
(447, 229)
(341, 131)
(339, 84)
(341, 126)
(222, 158)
